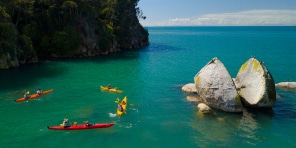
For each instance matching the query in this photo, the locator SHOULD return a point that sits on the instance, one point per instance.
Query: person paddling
(120, 107)
(109, 86)
(27, 95)
(87, 123)
(39, 91)
(65, 122)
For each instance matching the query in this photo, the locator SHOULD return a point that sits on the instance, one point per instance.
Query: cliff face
(89, 46)
(138, 37)
(69, 29)
(93, 44)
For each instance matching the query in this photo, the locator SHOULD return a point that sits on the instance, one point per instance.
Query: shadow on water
(119, 56)
(285, 106)
(28, 74)
(25, 75)
(159, 47)
(127, 54)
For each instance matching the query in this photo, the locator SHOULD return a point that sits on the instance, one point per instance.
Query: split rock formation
(216, 87)
(255, 84)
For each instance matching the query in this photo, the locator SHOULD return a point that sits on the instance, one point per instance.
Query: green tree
(20, 10)
(8, 38)
(65, 42)
(25, 46)
(4, 16)
(55, 26)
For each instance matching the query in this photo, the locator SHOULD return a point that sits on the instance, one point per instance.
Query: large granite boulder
(255, 84)
(216, 87)
(287, 85)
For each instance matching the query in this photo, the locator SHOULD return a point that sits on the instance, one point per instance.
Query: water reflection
(227, 129)
(251, 124)
(26, 75)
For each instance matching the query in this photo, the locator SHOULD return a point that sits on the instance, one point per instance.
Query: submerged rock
(204, 108)
(193, 99)
(255, 84)
(287, 85)
(216, 87)
(189, 88)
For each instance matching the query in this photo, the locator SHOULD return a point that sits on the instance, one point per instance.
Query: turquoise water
(158, 114)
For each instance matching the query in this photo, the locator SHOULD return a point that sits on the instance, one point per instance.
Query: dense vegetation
(32, 28)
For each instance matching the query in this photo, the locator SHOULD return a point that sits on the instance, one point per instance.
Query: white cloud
(243, 18)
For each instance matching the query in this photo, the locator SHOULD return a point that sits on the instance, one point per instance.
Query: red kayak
(81, 126)
(34, 96)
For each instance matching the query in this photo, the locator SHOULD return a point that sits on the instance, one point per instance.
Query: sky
(218, 12)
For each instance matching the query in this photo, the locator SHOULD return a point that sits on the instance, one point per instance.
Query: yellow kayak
(111, 90)
(123, 104)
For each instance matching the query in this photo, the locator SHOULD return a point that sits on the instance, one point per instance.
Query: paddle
(117, 100)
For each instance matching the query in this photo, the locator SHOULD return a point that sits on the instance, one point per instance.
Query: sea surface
(158, 113)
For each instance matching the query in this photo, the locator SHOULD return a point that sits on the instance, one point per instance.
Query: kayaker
(120, 107)
(39, 91)
(109, 86)
(87, 123)
(27, 95)
(65, 122)
(75, 123)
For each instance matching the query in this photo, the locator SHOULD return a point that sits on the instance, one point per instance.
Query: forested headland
(67, 28)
